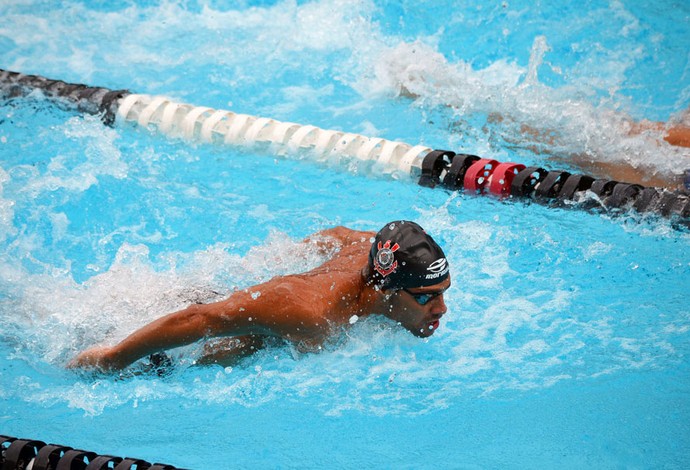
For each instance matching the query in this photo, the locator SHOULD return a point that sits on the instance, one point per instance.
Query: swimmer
(402, 275)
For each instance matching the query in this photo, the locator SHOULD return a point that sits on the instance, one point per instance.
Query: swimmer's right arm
(174, 330)
(229, 351)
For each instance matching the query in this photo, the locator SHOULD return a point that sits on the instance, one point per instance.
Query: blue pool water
(568, 334)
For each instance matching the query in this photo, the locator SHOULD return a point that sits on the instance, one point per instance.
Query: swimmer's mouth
(433, 326)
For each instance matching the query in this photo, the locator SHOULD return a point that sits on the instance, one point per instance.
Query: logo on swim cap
(438, 268)
(385, 262)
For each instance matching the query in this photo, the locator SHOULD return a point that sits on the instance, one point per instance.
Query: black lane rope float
(24, 454)
(431, 168)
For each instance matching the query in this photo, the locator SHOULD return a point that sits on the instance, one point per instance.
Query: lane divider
(24, 454)
(431, 168)
(507, 180)
(203, 124)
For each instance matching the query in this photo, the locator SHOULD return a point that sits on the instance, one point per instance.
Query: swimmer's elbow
(201, 320)
(220, 319)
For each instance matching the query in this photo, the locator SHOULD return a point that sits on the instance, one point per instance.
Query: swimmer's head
(404, 256)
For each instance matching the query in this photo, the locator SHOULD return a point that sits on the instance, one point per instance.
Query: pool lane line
(91, 100)
(37, 455)
(446, 169)
(431, 168)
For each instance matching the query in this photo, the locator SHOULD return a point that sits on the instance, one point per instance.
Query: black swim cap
(404, 256)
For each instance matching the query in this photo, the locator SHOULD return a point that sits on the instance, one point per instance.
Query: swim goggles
(423, 299)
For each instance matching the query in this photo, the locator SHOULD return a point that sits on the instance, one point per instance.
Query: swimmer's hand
(99, 358)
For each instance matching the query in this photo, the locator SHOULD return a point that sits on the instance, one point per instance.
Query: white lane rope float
(203, 124)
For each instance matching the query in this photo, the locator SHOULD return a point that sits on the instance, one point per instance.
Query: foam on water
(102, 158)
(563, 123)
(6, 209)
(238, 48)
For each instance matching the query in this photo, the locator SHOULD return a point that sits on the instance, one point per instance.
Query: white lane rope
(203, 124)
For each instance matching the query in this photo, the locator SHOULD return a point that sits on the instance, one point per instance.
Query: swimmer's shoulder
(347, 236)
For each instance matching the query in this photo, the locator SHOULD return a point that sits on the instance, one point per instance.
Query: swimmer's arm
(621, 171)
(674, 134)
(171, 331)
(229, 351)
(626, 173)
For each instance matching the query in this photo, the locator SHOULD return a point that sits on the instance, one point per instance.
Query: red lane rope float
(478, 174)
(502, 178)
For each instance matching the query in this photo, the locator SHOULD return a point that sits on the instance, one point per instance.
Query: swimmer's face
(419, 309)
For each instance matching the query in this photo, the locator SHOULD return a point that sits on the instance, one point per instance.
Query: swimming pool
(567, 339)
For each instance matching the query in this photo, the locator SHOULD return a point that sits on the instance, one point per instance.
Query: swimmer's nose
(439, 306)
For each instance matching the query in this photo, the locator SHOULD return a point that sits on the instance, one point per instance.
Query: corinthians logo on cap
(385, 262)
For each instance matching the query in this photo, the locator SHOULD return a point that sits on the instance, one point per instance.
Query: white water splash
(6, 210)
(133, 291)
(80, 168)
(563, 122)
